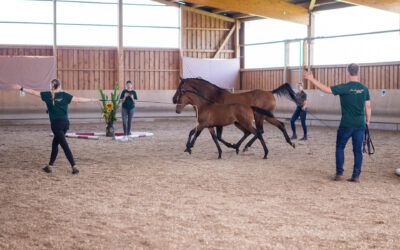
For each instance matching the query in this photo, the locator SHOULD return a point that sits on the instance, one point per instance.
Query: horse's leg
(259, 136)
(219, 137)
(246, 134)
(259, 120)
(191, 144)
(188, 141)
(214, 136)
(281, 126)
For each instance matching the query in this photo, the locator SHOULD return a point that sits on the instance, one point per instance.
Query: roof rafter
(388, 5)
(277, 9)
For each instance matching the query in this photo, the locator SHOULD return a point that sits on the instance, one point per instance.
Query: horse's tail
(286, 90)
(262, 111)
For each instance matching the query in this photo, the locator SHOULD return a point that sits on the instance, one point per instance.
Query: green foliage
(110, 113)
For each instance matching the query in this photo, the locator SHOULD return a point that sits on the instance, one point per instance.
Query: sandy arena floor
(147, 193)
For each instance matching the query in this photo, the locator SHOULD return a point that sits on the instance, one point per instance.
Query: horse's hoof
(245, 149)
(293, 145)
(237, 151)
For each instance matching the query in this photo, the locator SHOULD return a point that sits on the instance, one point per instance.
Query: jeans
(59, 128)
(303, 114)
(357, 136)
(127, 115)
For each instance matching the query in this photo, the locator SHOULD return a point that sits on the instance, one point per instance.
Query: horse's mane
(208, 83)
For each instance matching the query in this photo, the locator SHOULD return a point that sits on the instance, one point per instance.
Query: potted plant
(109, 109)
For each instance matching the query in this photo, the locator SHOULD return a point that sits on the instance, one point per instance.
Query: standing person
(356, 114)
(128, 97)
(57, 106)
(300, 111)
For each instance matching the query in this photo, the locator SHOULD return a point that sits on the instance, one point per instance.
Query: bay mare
(211, 115)
(210, 93)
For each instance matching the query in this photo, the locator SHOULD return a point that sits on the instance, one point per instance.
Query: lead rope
(368, 146)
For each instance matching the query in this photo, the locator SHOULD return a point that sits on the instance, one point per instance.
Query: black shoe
(75, 170)
(304, 138)
(47, 169)
(294, 137)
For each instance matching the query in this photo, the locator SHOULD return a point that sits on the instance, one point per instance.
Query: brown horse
(265, 100)
(212, 115)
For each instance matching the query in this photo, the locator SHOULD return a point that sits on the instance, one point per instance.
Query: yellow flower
(109, 110)
(102, 114)
(109, 105)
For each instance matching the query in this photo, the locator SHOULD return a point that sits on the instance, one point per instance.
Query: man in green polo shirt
(356, 114)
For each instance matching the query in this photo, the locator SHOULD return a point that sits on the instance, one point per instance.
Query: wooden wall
(267, 79)
(202, 35)
(374, 76)
(26, 50)
(84, 68)
(152, 69)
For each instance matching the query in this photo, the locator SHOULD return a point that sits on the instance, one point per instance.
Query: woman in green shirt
(57, 102)
(128, 97)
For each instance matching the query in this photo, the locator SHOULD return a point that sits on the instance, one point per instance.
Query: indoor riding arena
(127, 124)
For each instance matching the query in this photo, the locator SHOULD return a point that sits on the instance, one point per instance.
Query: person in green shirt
(57, 102)
(128, 97)
(300, 111)
(356, 114)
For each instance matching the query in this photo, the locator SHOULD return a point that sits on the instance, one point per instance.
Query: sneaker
(75, 170)
(294, 137)
(47, 169)
(304, 138)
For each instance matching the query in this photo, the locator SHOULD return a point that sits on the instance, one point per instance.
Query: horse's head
(180, 97)
(178, 91)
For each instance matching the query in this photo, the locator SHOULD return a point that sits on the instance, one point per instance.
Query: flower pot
(110, 131)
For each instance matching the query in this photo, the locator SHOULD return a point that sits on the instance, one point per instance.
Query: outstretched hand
(16, 86)
(308, 75)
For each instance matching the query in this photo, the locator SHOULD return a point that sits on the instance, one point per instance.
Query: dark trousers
(303, 114)
(127, 115)
(357, 136)
(59, 128)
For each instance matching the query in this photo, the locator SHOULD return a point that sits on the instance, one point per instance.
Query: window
(150, 24)
(87, 23)
(271, 55)
(383, 47)
(20, 25)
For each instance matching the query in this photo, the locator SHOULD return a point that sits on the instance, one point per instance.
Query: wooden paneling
(202, 36)
(267, 79)
(26, 50)
(374, 76)
(82, 68)
(152, 69)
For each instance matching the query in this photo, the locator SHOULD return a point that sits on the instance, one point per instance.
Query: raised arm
(29, 91)
(367, 112)
(309, 76)
(82, 99)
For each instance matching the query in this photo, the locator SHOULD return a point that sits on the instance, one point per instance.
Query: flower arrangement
(109, 109)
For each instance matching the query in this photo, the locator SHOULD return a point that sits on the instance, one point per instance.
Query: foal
(218, 115)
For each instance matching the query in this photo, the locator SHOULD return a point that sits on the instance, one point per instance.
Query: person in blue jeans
(300, 111)
(128, 97)
(356, 114)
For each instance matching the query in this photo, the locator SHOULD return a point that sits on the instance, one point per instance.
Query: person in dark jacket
(300, 111)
